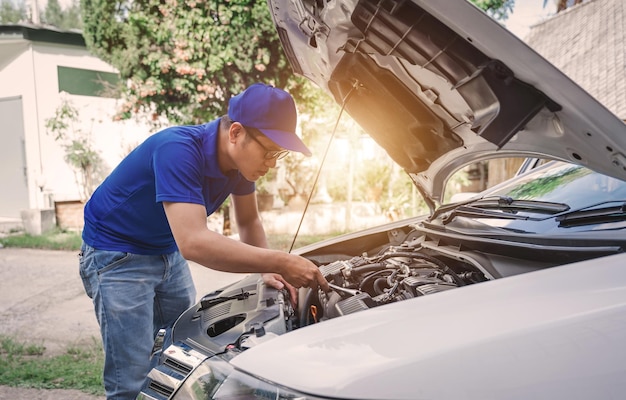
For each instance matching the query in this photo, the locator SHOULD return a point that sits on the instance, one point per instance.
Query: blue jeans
(134, 296)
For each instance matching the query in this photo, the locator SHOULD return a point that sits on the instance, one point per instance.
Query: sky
(527, 13)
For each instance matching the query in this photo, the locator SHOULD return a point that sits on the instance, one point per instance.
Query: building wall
(96, 118)
(16, 81)
(30, 70)
(13, 171)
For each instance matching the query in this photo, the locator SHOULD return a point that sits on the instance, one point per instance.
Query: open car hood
(440, 84)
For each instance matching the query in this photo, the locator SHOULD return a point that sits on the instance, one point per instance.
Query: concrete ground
(42, 302)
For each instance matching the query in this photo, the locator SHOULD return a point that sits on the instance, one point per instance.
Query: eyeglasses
(269, 154)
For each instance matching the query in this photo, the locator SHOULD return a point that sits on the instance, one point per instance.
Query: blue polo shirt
(177, 164)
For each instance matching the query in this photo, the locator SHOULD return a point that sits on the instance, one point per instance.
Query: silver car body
(552, 334)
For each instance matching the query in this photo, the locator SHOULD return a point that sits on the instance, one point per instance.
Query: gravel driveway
(42, 301)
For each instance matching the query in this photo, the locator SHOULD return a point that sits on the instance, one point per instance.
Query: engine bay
(396, 265)
(396, 274)
(369, 269)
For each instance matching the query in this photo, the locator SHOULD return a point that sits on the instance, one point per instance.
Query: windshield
(566, 183)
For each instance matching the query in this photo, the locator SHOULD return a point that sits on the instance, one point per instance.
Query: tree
(498, 9)
(11, 13)
(80, 152)
(185, 59)
(65, 19)
(53, 15)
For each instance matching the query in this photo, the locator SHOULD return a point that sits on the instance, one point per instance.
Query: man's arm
(199, 244)
(251, 231)
(248, 220)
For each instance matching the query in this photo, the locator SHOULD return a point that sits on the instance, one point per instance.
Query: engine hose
(365, 280)
(368, 267)
(433, 260)
(390, 278)
(379, 285)
(308, 302)
(393, 289)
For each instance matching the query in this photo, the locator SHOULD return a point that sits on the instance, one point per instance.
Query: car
(518, 292)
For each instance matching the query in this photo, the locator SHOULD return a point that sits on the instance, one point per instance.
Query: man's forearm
(218, 252)
(253, 234)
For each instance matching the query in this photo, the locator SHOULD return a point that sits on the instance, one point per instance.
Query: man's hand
(278, 282)
(199, 244)
(301, 272)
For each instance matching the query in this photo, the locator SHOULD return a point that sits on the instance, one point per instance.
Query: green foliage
(283, 241)
(80, 152)
(25, 365)
(185, 59)
(498, 9)
(63, 240)
(11, 348)
(299, 173)
(69, 18)
(12, 13)
(374, 181)
(265, 184)
(53, 15)
(545, 185)
(400, 198)
(56, 239)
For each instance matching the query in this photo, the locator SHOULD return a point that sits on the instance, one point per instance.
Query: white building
(39, 67)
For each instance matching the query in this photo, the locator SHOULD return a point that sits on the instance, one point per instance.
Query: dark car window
(564, 183)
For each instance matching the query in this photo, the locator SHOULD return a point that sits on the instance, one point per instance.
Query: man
(149, 216)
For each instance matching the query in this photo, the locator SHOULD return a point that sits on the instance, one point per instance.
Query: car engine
(248, 312)
(399, 273)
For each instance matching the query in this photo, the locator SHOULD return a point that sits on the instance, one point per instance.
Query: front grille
(216, 311)
(161, 389)
(177, 363)
(177, 366)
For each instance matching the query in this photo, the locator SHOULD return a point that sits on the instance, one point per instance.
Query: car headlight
(216, 379)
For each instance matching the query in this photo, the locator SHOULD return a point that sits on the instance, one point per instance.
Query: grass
(283, 241)
(66, 240)
(25, 365)
(56, 239)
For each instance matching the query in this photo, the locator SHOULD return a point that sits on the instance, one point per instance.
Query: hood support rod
(355, 85)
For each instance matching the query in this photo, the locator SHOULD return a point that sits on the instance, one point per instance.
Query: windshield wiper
(594, 216)
(506, 207)
(511, 204)
(207, 302)
(476, 212)
(476, 207)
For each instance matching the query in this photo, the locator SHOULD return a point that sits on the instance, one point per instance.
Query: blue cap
(270, 110)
